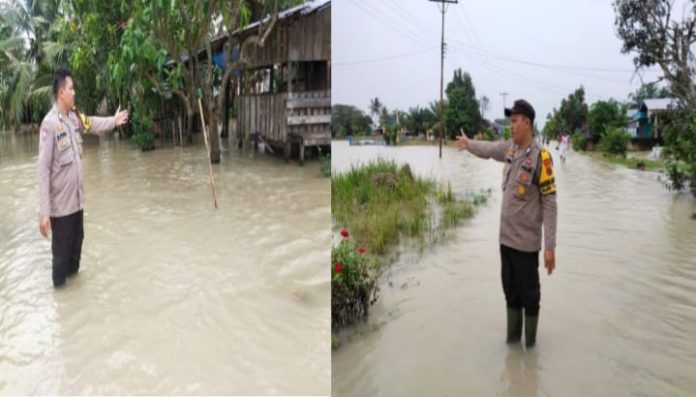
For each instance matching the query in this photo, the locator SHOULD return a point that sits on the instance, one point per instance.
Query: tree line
(134, 53)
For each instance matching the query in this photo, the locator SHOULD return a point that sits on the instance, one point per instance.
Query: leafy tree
(679, 135)
(349, 120)
(651, 32)
(419, 120)
(572, 115)
(551, 129)
(604, 115)
(462, 111)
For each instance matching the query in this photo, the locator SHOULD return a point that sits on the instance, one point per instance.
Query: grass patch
(377, 205)
(326, 165)
(643, 163)
(637, 163)
(693, 216)
(379, 202)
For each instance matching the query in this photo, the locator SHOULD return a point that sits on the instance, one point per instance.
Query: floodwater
(173, 296)
(618, 315)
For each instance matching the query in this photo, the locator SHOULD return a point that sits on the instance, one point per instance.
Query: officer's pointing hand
(462, 140)
(121, 116)
(549, 261)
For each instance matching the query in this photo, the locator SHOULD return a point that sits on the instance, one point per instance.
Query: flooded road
(618, 316)
(173, 297)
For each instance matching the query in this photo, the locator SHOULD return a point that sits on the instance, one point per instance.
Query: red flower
(338, 267)
(344, 233)
(361, 250)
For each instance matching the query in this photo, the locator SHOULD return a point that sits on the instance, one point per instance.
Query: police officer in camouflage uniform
(529, 201)
(61, 194)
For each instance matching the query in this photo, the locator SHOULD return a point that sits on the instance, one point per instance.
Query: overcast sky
(390, 49)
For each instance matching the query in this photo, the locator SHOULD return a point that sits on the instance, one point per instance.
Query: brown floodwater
(173, 297)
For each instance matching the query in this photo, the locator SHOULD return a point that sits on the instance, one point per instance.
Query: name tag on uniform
(63, 141)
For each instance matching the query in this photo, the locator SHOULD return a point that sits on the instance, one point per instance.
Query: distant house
(498, 126)
(644, 122)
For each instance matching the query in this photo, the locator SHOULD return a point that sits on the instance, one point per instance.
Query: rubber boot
(514, 325)
(530, 330)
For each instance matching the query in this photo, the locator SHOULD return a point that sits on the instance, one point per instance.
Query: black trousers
(67, 234)
(520, 276)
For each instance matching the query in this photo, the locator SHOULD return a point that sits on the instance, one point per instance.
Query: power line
(408, 18)
(569, 72)
(392, 24)
(544, 65)
(463, 28)
(374, 60)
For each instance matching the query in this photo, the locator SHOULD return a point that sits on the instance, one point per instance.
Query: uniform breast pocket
(523, 184)
(65, 154)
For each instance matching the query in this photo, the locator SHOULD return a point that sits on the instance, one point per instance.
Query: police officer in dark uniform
(529, 202)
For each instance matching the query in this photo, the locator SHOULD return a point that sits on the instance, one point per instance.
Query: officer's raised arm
(46, 144)
(102, 125)
(485, 150)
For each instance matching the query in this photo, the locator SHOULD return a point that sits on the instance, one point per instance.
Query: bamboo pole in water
(207, 150)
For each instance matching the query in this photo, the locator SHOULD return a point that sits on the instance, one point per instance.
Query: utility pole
(443, 8)
(504, 94)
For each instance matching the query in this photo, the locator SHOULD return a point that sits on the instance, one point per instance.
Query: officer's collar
(56, 109)
(532, 145)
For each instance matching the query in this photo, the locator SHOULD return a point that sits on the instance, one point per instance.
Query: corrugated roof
(306, 8)
(659, 103)
(303, 9)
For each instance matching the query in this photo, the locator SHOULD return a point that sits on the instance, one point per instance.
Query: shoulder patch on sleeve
(86, 122)
(45, 130)
(547, 180)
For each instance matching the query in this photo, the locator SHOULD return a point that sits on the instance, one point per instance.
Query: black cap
(521, 107)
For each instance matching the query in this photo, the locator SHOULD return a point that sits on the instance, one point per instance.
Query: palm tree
(375, 108)
(28, 57)
(484, 103)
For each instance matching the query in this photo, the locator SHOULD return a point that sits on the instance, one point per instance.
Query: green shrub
(614, 142)
(579, 142)
(489, 135)
(506, 133)
(142, 131)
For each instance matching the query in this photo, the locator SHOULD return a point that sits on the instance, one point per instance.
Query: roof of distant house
(659, 103)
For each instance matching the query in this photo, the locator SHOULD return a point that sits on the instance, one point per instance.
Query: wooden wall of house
(264, 114)
(275, 116)
(309, 114)
(302, 38)
(306, 114)
(274, 50)
(310, 37)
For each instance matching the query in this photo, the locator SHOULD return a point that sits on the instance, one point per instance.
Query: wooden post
(181, 132)
(226, 110)
(302, 149)
(207, 150)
